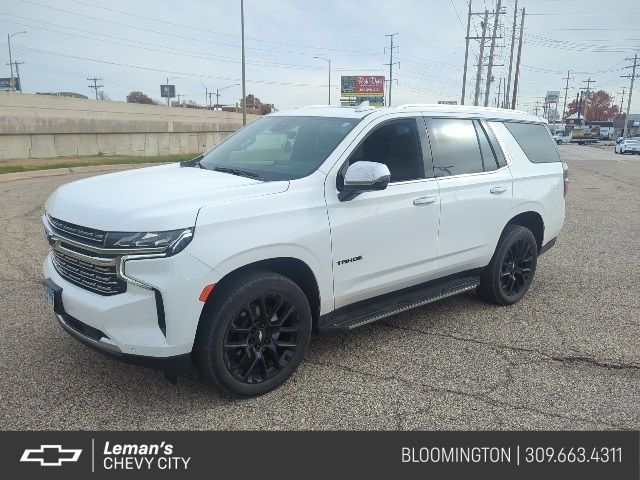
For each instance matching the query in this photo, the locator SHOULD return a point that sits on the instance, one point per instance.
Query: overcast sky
(136, 45)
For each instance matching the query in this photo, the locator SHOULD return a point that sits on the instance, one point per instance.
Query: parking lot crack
(598, 363)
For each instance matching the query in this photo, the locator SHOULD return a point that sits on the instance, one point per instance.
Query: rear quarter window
(535, 141)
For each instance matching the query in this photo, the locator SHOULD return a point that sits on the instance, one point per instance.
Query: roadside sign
(553, 96)
(168, 91)
(447, 102)
(362, 86)
(11, 83)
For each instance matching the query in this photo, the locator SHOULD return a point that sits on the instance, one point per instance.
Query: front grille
(78, 233)
(101, 279)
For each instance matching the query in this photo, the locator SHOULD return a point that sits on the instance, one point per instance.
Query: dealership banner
(281, 455)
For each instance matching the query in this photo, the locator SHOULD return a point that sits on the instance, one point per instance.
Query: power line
(168, 50)
(191, 28)
(152, 69)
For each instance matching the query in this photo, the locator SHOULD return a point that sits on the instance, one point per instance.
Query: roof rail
(416, 105)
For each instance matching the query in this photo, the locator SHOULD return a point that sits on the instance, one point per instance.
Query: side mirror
(364, 177)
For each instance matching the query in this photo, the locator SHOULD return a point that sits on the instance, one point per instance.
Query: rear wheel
(254, 334)
(509, 274)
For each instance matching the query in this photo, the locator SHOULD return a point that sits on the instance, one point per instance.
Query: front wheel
(254, 334)
(508, 276)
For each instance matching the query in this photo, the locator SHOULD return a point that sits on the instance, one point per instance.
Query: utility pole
(632, 76)
(517, 74)
(17, 65)
(491, 53)
(579, 104)
(480, 57)
(210, 95)
(206, 93)
(244, 91)
(95, 85)
(566, 92)
(498, 96)
(587, 96)
(624, 90)
(466, 56)
(391, 64)
(513, 42)
(535, 110)
(11, 62)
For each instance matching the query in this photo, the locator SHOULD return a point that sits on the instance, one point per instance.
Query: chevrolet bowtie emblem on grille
(50, 455)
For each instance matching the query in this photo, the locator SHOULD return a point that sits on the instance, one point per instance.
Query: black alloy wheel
(253, 333)
(516, 268)
(262, 338)
(510, 272)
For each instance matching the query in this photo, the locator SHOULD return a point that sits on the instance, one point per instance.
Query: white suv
(319, 218)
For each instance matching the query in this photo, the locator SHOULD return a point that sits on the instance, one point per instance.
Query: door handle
(498, 190)
(424, 201)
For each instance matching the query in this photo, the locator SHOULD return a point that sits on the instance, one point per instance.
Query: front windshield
(279, 148)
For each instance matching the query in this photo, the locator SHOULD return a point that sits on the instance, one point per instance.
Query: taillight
(565, 176)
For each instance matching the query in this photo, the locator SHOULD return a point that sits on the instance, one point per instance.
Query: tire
(253, 335)
(508, 276)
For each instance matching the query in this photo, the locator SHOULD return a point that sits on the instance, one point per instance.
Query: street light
(168, 99)
(244, 91)
(10, 59)
(329, 62)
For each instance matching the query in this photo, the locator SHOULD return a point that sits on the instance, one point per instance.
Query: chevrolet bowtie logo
(50, 455)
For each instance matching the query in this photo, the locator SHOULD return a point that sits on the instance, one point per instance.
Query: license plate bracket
(53, 294)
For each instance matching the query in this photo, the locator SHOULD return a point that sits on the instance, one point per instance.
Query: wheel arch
(533, 221)
(293, 268)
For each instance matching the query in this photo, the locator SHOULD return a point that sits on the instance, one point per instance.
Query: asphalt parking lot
(567, 356)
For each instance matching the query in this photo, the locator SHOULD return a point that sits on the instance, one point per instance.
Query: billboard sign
(167, 91)
(11, 83)
(447, 102)
(362, 86)
(552, 97)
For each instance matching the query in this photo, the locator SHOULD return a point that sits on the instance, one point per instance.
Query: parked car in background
(628, 145)
(563, 137)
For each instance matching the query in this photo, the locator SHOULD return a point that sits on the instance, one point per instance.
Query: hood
(166, 197)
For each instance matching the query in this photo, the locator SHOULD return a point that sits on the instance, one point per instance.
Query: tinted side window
(397, 145)
(455, 147)
(489, 161)
(495, 146)
(535, 141)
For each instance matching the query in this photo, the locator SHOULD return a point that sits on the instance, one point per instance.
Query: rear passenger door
(475, 186)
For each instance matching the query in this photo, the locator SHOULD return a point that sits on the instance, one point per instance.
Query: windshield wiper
(194, 162)
(237, 171)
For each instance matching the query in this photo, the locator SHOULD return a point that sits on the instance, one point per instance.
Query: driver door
(385, 240)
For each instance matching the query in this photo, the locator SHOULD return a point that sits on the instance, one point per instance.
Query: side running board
(368, 311)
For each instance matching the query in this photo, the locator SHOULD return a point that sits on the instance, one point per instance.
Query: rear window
(535, 141)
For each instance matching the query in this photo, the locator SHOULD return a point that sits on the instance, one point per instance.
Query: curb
(55, 172)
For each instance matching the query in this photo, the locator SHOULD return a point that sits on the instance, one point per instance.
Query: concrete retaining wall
(42, 126)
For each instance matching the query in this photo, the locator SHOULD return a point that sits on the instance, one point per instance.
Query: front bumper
(170, 366)
(158, 322)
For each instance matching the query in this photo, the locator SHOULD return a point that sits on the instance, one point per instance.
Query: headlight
(172, 241)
